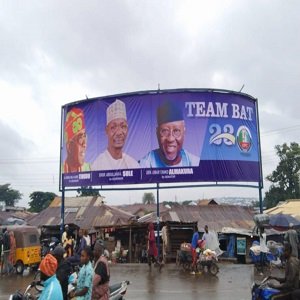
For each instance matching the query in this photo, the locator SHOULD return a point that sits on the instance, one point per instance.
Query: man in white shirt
(208, 238)
(113, 158)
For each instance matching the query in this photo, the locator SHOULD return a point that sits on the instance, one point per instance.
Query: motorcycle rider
(63, 271)
(102, 274)
(85, 277)
(291, 280)
(52, 288)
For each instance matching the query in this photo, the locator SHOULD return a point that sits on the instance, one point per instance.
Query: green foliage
(40, 200)
(8, 195)
(85, 191)
(148, 198)
(285, 178)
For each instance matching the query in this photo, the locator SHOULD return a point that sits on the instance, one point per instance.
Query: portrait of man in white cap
(170, 134)
(113, 158)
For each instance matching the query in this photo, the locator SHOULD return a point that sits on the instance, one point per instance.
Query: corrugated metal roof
(289, 207)
(86, 217)
(215, 216)
(137, 207)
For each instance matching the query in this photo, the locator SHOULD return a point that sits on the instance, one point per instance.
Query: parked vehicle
(27, 246)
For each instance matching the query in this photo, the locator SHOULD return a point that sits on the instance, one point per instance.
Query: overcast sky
(55, 52)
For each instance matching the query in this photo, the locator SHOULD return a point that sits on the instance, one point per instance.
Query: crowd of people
(93, 277)
(94, 274)
(7, 251)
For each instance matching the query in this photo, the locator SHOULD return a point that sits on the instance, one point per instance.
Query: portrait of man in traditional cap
(76, 142)
(113, 157)
(170, 134)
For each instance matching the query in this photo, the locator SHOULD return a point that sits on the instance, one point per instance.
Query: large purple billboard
(160, 137)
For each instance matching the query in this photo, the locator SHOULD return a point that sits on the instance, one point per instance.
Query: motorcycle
(262, 291)
(34, 289)
(32, 292)
(48, 245)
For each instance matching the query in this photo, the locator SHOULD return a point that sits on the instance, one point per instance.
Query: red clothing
(152, 249)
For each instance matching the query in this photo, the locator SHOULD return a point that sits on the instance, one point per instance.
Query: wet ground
(232, 282)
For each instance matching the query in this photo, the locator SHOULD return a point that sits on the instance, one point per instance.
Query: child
(85, 277)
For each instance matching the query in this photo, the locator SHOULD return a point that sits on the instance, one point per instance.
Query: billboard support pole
(157, 218)
(261, 183)
(62, 212)
(61, 184)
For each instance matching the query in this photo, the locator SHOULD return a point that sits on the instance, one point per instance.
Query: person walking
(291, 237)
(102, 274)
(52, 288)
(85, 277)
(152, 249)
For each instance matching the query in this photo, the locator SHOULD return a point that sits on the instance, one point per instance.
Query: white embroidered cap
(115, 111)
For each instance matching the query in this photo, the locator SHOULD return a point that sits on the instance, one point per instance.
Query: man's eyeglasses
(166, 132)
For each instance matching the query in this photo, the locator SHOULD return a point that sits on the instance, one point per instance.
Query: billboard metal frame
(158, 186)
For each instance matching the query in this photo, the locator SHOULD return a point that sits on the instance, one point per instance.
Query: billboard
(160, 137)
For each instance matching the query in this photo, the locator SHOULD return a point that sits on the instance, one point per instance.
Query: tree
(85, 191)
(8, 195)
(148, 198)
(285, 178)
(40, 200)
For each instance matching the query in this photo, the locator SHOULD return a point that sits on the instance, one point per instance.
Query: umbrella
(283, 221)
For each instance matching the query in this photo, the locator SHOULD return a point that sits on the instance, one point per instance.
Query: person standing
(208, 238)
(12, 252)
(87, 238)
(194, 245)
(79, 248)
(291, 237)
(263, 248)
(69, 245)
(6, 250)
(64, 236)
(63, 270)
(52, 288)
(102, 274)
(85, 277)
